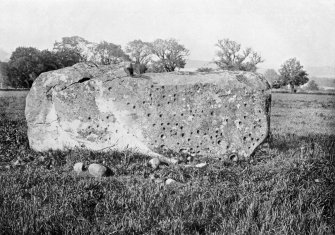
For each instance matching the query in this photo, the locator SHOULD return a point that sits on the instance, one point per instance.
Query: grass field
(282, 190)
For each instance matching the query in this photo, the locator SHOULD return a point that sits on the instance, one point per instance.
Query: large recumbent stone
(101, 108)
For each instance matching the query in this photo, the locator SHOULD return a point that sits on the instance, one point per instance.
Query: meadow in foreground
(282, 190)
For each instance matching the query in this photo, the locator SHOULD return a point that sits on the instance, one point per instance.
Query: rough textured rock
(78, 167)
(97, 170)
(154, 163)
(100, 108)
(170, 181)
(201, 165)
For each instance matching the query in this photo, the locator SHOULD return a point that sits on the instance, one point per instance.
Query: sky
(277, 29)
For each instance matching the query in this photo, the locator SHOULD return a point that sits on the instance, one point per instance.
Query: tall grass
(281, 191)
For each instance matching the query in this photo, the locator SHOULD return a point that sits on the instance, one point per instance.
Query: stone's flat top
(222, 78)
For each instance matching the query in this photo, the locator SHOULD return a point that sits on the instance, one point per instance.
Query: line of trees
(26, 63)
(231, 56)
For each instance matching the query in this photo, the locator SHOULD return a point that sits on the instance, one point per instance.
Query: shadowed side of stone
(216, 114)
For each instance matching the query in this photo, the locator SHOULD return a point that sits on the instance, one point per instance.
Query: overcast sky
(277, 29)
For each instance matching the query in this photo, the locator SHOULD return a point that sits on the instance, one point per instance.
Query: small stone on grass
(170, 181)
(154, 163)
(201, 165)
(78, 167)
(97, 170)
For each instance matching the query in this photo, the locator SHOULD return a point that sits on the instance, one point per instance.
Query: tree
(73, 42)
(139, 52)
(4, 81)
(292, 74)
(102, 53)
(49, 61)
(271, 76)
(27, 63)
(108, 53)
(24, 66)
(230, 56)
(73, 48)
(312, 86)
(169, 55)
(66, 57)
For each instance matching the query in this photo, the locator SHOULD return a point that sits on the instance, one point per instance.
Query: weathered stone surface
(154, 163)
(101, 108)
(201, 165)
(170, 181)
(78, 167)
(97, 170)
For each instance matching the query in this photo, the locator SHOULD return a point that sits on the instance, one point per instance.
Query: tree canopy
(4, 81)
(292, 73)
(106, 53)
(168, 55)
(24, 66)
(231, 57)
(312, 86)
(139, 52)
(26, 63)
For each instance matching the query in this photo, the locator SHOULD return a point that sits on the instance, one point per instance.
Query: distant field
(303, 114)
